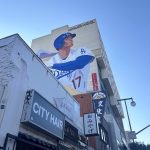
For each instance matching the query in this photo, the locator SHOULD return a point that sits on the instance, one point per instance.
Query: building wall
(88, 35)
(85, 101)
(86, 106)
(21, 70)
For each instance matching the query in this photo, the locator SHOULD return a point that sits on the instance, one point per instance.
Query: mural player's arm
(79, 63)
(83, 57)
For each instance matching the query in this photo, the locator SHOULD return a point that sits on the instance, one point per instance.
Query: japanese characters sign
(99, 100)
(90, 124)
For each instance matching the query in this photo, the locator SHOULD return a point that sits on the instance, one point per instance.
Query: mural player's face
(68, 42)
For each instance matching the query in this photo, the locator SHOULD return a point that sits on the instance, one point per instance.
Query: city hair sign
(39, 113)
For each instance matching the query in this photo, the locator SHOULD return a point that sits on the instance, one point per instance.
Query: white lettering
(99, 111)
(48, 116)
(52, 119)
(39, 110)
(61, 124)
(103, 136)
(43, 110)
(35, 105)
(100, 103)
(56, 122)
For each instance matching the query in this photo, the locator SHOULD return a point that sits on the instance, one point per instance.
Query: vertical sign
(90, 124)
(99, 100)
(95, 82)
(103, 135)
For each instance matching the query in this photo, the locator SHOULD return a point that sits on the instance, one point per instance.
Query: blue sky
(125, 30)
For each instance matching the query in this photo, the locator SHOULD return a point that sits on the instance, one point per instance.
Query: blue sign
(99, 100)
(41, 114)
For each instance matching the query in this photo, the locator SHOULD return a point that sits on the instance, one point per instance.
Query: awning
(35, 141)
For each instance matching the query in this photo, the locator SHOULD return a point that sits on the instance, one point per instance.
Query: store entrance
(25, 145)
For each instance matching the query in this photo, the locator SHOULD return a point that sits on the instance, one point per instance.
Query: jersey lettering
(83, 51)
(76, 82)
(75, 78)
(59, 74)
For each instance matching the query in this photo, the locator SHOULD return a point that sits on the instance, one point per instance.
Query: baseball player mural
(70, 66)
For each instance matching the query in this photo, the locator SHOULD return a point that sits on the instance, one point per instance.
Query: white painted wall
(26, 71)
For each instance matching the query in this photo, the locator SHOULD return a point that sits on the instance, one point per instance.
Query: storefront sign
(71, 132)
(39, 113)
(99, 100)
(103, 134)
(90, 124)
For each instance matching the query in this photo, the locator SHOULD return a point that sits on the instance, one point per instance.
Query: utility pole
(132, 104)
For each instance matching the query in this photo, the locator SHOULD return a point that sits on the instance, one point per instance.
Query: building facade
(36, 112)
(100, 79)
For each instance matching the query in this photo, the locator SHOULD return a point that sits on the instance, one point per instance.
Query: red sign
(95, 82)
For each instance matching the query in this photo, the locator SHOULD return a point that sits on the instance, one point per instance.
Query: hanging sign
(90, 124)
(99, 100)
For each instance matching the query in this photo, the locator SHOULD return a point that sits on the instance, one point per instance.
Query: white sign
(99, 95)
(90, 124)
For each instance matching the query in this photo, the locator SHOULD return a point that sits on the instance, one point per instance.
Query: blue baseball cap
(59, 41)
